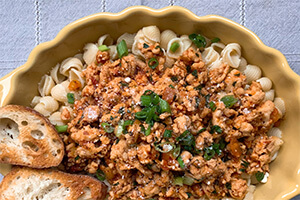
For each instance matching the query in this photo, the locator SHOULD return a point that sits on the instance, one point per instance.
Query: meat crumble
(180, 132)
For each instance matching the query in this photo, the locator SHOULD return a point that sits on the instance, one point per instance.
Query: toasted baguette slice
(44, 184)
(27, 138)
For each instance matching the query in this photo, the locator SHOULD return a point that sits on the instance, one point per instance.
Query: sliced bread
(46, 184)
(28, 138)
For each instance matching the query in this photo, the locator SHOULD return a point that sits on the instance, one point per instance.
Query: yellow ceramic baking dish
(20, 86)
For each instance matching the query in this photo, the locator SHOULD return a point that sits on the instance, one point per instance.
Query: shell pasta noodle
(165, 116)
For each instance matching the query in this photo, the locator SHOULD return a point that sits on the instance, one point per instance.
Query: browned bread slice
(28, 138)
(44, 184)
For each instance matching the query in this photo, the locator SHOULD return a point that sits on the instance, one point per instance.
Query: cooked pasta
(45, 85)
(90, 51)
(265, 83)
(252, 73)
(165, 38)
(68, 64)
(128, 38)
(170, 112)
(231, 54)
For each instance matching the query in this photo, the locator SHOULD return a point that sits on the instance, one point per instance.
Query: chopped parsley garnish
(167, 133)
(259, 176)
(71, 98)
(212, 106)
(229, 100)
(215, 40)
(198, 40)
(215, 128)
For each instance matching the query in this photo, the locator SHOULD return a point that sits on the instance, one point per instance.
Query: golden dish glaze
(20, 86)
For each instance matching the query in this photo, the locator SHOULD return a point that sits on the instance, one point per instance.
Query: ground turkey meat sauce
(183, 132)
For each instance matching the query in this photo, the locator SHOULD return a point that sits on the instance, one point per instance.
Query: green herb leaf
(216, 128)
(164, 147)
(124, 84)
(145, 46)
(215, 40)
(103, 48)
(167, 133)
(174, 78)
(174, 46)
(178, 181)
(259, 176)
(212, 106)
(181, 163)
(77, 157)
(198, 40)
(62, 128)
(171, 86)
(195, 73)
(71, 98)
(107, 127)
(153, 63)
(122, 49)
(229, 101)
(228, 186)
(189, 194)
(100, 175)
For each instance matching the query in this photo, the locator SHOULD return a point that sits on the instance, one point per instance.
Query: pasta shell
(231, 55)
(186, 42)
(242, 65)
(49, 103)
(280, 105)
(152, 33)
(68, 108)
(56, 119)
(252, 73)
(275, 132)
(210, 56)
(90, 52)
(68, 64)
(113, 52)
(169, 62)
(76, 75)
(105, 40)
(216, 64)
(265, 83)
(57, 77)
(178, 52)
(45, 85)
(165, 37)
(128, 38)
(269, 95)
(79, 56)
(218, 46)
(59, 93)
(41, 109)
(35, 101)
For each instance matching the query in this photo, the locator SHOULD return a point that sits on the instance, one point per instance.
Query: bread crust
(28, 138)
(75, 183)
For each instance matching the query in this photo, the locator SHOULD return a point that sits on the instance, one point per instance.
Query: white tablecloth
(26, 23)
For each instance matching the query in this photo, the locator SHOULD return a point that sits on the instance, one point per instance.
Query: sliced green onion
(148, 131)
(186, 139)
(164, 106)
(259, 176)
(188, 180)
(209, 153)
(171, 86)
(153, 63)
(150, 115)
(201, 130)
(178, 181)
(198, 40)
(167, 133)
(195, 73)
(107, 127)
(77, 157)
(181, 163)
(176, 152)
(145, 46)
(215, 40)
(71, 98)
(229, 101)
(103, 48)
(62, 128)
(228, 186)
(120, 128)
(100, 175)
(164, 147)
(174, 46)
(122, 49)
(146, 100)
